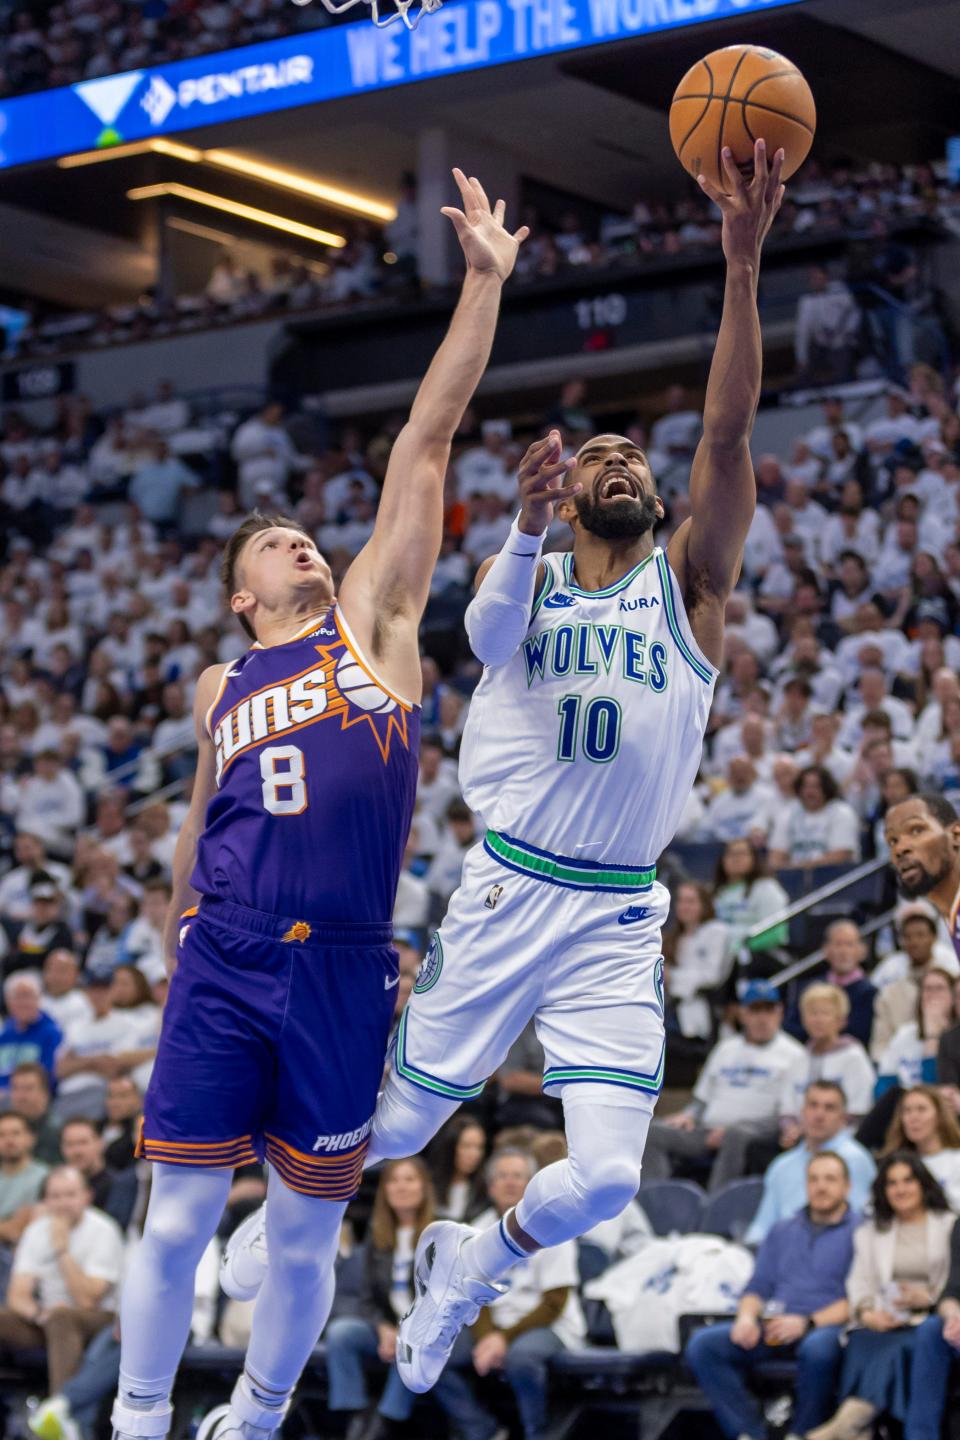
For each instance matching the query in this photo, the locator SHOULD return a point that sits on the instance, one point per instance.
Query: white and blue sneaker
(243, 1265)
(445, 1299)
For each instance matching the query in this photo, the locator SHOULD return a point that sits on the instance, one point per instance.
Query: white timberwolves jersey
(587, 742)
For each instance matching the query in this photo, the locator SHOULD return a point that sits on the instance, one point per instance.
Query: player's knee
(174, 1234)
(608, 1184)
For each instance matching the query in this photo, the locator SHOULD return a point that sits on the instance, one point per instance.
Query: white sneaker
(243, 1266)
(212, 1425)
(445, 1299)
(52, 1420)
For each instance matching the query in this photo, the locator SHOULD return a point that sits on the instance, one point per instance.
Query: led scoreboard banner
(328, 64)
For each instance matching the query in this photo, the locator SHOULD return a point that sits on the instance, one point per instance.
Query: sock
(258, 1409)
(493, 1252)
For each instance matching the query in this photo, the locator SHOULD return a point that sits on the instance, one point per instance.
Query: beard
(622, 519)
(925, 881)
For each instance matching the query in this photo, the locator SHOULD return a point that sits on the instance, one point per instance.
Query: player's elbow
(495, 627)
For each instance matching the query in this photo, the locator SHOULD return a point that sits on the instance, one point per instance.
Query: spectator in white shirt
(832, 1055)
(818, 828)
(820, 438)
(537, 1318)
(697, 959)
(488, 468)
(488, 529)
(853, 528)
(896, 424)
(827, 330)
(30, 854)
(437, 784)
(66, 1276)
(265, 456)
(736, 1099)
(457, 838)
(892, 569)
(735, 812)
(924, 1123)
(62, 998)
(50, 803)
(873, 693)
(88, 1057)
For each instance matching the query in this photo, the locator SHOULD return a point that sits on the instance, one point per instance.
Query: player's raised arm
(707, 549)
(393, 571)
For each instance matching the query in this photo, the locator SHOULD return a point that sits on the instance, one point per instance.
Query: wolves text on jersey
(591, 649)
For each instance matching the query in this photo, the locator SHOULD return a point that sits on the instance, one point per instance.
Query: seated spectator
(29, 942)
(737, 1097)
(697, 960)
(402, 1211)
(456, 1159)
(827, 331)
(897, 978)
(30, 854)
(28, 1035)
(89, 1055)
(824, 1011)
(735, 811)
(911, 1057)
(21, 1183)
(520, 1097)
(924, 1123)
(158, 486)
(29, 1095)
(844, 952)
(119, 1131)
(520, 1331)
(745, 896)
(823, 1126)
(901, 1263)
(62, 998)
(818, 829)
(113, 1192)
(794, 1303)
(936, 1347)
(66, 1275)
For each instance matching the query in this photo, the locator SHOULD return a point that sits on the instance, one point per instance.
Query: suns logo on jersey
(337, 687)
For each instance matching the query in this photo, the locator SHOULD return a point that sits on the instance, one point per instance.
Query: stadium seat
(673, 1206)
(731, 1210)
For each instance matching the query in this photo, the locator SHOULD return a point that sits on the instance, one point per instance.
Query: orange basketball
(734, 97)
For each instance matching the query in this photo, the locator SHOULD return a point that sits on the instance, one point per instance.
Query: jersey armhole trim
(340, 620)
(689, 649)
(545, 588)
(218, 697)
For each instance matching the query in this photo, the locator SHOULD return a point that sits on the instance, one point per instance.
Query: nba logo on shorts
(495, 892)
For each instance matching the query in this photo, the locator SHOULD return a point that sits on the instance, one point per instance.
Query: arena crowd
(839, 696)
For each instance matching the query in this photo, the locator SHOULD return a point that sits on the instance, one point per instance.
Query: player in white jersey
(582, 744)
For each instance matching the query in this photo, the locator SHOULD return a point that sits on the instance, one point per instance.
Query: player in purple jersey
(285, 872)
(923, 836)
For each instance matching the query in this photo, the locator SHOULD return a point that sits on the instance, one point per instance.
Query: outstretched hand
(541, 489)
(749, 204)
(487, 244)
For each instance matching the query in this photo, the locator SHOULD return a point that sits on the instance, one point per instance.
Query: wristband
(523, 544)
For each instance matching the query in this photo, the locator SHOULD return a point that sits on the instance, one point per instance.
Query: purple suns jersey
(316, 778)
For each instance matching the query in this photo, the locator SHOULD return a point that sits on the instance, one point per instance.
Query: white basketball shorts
(529, 934)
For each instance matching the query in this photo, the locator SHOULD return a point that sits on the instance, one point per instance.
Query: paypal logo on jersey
(558, 601)
(633, 914)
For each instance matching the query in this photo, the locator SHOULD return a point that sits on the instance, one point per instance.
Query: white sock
(493, 1252)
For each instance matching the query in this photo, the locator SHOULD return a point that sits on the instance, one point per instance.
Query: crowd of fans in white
(839, 695)
(377, 268)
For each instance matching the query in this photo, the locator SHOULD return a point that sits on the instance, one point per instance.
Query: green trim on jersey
(545, 588)
(613, 589)
(433, 1083)
(562, 870)
(666, 586)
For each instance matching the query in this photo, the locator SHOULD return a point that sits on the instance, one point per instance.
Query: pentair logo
(159, 100)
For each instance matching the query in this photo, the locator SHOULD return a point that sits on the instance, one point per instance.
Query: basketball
(736, 96)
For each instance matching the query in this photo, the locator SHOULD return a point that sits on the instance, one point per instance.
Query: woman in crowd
(745, 895)
(911, 1057)
(697, 958)
(925, 1125)
(818, 828)
(404, 1207)
(824, 1011)
(456, 1160)
(900, 1265)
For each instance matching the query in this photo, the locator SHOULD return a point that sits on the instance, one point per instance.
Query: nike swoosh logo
(633, 916)
(390, 984)
(231, 674)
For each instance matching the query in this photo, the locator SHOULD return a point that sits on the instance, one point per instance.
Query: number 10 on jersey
(599, 734)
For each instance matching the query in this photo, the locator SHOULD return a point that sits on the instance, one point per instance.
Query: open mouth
(618, 484)
(910, 871)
